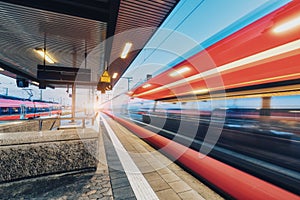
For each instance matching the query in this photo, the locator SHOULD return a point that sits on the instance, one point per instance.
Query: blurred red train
(13, 108)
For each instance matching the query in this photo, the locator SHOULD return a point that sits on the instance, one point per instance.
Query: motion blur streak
(238, 184)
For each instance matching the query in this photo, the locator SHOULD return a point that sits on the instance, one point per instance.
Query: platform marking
(139, 184)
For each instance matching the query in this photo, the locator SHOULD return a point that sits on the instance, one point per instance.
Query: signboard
(105, 78)
(61, 75)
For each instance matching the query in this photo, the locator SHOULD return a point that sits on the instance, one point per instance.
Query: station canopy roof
(75, 33)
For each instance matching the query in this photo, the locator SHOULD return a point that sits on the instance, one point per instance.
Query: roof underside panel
(67, 38)
(71, 29)
(137, 21)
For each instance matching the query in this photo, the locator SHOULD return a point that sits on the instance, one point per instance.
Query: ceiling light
(126, 49)
(147, 85)
(1, 69)
(35, 83)
(115, 75)
(180, 71)
(288, 25)
(40, 51)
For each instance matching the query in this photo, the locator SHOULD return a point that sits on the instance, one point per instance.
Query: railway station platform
(128, 168)
(198, 99)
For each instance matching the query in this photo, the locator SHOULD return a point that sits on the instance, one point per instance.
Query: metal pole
(128, 84)
(41, 94)
(45, 49)
(128, 81)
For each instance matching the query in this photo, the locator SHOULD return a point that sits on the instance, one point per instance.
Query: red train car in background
(14, 108)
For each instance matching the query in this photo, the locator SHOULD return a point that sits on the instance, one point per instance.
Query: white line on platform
(139, 184)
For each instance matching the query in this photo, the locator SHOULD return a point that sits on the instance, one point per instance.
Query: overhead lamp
(287, 26)
(1, 69)
(115, 75)
(126, 50)
(146, 86)
(180, 71)
(41, 52)
(35, 83)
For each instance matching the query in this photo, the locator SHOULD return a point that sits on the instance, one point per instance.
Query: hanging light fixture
(44, 55)
(126, 50)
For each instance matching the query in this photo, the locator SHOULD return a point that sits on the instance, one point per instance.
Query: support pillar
(73, 101)
(154, 106)
(265, 106)
(74, 88)
(93, 101)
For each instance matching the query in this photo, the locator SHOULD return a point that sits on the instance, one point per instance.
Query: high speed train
(248, 133)
(14, 108)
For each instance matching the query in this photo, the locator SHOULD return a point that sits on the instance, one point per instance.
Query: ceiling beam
(111, 27)
(91, 9)
(15, 70)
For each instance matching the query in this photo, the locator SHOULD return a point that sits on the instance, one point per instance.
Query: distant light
(1, 69)
(126, 50)
(115, 75)
(288, 25)
(201, 91)
(224, 108)
(294, 111)
(35, 83)
(41, 53)
(180, 71)
(147, 85)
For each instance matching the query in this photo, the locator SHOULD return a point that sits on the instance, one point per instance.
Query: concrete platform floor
(166, 179)
(83, 185)
(128, 168)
